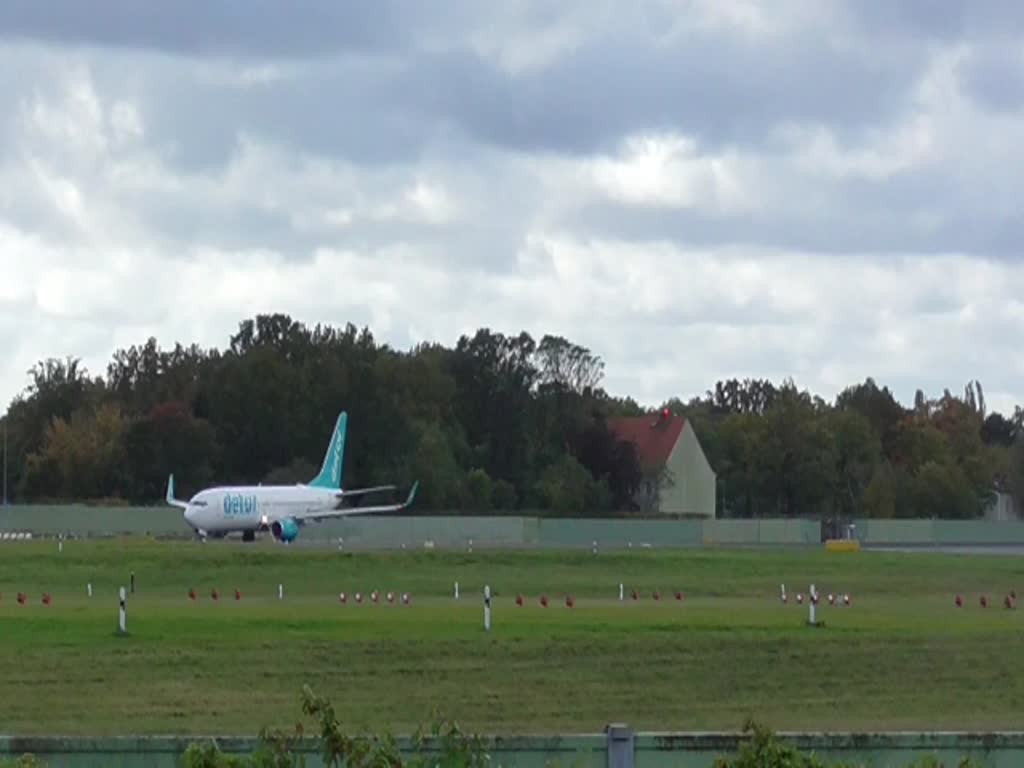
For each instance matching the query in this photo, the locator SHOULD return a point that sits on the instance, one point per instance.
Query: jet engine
(285, 530)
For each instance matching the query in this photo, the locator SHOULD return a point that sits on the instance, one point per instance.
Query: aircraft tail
(330, 472)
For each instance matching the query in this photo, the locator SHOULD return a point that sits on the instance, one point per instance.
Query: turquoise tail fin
(330, 473)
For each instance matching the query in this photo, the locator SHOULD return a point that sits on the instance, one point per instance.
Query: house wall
(692, 489)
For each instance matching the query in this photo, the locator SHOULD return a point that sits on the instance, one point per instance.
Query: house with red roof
(678, 479)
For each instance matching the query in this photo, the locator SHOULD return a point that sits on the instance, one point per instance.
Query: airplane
(281, 509)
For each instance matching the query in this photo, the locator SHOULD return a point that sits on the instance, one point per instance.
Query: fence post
(620, 746)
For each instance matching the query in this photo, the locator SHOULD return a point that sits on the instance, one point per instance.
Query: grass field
(902, 656)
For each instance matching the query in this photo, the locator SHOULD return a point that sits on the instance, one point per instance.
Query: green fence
(440, 532)
(939, 532)
(619, 747)
(83, 521)
(463, 531)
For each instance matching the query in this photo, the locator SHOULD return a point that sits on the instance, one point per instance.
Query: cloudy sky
(694, 189)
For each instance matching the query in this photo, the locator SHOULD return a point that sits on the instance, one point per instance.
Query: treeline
(496, 423)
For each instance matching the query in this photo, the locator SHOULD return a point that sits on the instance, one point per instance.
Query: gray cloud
(995, 78)
(720, 90)
(828, 191)
(911, 20)
(260, 28)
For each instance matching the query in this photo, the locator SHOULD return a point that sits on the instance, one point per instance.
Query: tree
(81, 457)
(880, 494)
(614, 462)
(478, 491)
(495, 420)
(433, 463)
(858, 451)
(748, 396)
(169, 439)
(564, 487)
(998, 430)
(878, 405)
(567, 366)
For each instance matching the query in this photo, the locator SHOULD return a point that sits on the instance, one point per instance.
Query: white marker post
(622, 592)
(487, 609)
(470, 545)
(122, 622)
(280, 591)
(456, 590)
(595, 547)
(783, 587)
(88, 588)
(812, 605)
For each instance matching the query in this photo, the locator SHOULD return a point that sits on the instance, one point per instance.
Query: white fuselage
(252, 507)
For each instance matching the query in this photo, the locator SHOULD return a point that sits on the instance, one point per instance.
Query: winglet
(170, 494)
(412, 493)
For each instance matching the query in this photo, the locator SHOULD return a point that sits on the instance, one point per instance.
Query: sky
(693, 190)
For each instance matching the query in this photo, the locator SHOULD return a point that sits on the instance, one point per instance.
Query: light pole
(5, 457)
(5, 460)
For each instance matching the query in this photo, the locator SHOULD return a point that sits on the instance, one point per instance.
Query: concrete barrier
(618, 747)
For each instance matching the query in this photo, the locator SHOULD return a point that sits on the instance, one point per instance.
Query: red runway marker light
(635, 595)
(679, 596)
(215, 594)
(191, 594)
(544, 600)
(519, 599)
(238, 594)
(984, 601)
(342, 597)
(21, 598)
(46, 598)
(657, 595)
(959, 601)
(569, 601)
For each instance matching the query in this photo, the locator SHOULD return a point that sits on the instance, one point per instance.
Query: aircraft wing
(360, 492)
(345, 512)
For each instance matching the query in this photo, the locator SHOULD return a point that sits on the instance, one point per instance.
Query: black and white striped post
(122, 620)
(487, 609)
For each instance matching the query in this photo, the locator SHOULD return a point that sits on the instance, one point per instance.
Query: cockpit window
(198, 503)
